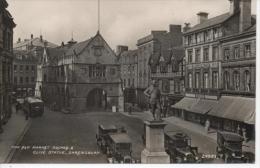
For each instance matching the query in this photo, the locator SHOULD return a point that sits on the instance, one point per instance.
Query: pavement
(193, 127)
(14, 131)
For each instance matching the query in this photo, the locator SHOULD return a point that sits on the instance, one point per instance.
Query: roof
(120, 138)
(107, 126)
(231, 136)
(210, 22)
(54, 53)
(78, 47)
(35, 42)
(235, 108)
(177, 135)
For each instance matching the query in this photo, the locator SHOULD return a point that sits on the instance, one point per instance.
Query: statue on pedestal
(154, 94)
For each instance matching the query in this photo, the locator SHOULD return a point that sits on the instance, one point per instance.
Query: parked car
(119, 148)
(230, 147)
(178, 146)
(33, 106)
(102, 135)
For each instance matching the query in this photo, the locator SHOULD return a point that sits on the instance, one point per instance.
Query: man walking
(154, 94)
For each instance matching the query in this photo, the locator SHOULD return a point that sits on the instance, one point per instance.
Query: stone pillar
(154, 151)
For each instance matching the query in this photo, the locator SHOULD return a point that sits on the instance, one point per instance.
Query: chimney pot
(31, 36)
(186, 27)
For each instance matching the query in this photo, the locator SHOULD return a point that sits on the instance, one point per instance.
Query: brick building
(81, 77)
(6, 58)
(151, 45)
(220, 69)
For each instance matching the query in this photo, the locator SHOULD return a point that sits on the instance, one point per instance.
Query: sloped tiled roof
(210, 22)
(35, 42)
(78, 47)
(54, 54)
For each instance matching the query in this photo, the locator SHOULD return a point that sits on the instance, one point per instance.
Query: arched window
(247, 81)
(190, 80)
(226, 80)
(236, 80)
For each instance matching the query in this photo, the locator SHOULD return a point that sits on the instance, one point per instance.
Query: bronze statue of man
(154, 94)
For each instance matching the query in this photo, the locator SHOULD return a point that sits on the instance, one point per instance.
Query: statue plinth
(154, 151)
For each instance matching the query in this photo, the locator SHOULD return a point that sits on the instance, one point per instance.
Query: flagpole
(98, 15)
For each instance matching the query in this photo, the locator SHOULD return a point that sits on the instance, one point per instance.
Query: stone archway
(97, 100)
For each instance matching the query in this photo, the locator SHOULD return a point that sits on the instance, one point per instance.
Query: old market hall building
(80, 77)
(220, 55)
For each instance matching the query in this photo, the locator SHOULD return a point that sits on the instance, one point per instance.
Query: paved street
(76, 130)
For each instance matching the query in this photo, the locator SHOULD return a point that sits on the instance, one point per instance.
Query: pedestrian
(244, 133)
(16, 107)
(26, 114)
(154, 94)
(207, 125)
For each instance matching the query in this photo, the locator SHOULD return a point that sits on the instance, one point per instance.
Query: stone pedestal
(154, 151)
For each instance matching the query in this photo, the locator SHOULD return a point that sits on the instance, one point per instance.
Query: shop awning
(186, 103)
(235, 108)
(195, 105)
(203, 106)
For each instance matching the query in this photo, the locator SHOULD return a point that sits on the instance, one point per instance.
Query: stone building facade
(27, 55)
(6, 59)
(150, 45)
(81, 77)
(220, 69)
(24, 73)
(128, 71)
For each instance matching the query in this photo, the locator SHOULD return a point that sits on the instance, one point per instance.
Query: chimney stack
(19, 40)
(31, 36)
(245, 15)
(186, 27)
(234, 6)
(202, 17)
(120, 49)
(175, 29)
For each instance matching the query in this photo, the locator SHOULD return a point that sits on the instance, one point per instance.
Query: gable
(96, 50)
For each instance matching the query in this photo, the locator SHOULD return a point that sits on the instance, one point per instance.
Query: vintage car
(119, 148)
(178, 146)
(102, 135)
(33, 106)
(230, 147)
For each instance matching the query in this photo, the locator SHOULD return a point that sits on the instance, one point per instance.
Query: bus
(33, 106)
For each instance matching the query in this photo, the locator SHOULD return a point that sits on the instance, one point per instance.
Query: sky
(122, 22)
